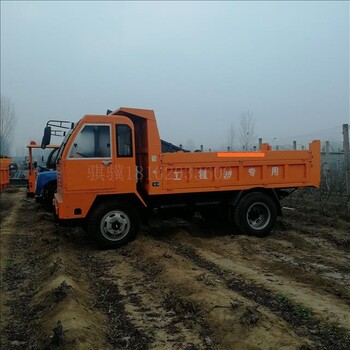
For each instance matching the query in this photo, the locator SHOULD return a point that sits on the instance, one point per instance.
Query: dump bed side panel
(198, 172)
(4, 172)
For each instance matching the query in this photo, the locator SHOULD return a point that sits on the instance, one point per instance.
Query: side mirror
(46, 138)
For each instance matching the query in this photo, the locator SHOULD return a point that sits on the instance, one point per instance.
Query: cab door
(90, 161)
(125, 165)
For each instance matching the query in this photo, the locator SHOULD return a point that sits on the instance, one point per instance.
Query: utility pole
(327, 165)
(347, 162)
(327, 156)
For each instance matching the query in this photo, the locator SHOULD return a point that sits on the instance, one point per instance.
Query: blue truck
(46, 180)
(45, 187)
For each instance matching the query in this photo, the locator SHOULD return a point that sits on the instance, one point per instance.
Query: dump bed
(223, 171)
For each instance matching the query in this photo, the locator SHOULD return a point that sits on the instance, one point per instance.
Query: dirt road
(179, 285)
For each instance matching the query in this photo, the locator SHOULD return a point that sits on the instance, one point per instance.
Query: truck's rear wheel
(255, 214)
(113, 224)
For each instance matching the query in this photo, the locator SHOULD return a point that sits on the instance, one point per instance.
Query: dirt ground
(179, 285)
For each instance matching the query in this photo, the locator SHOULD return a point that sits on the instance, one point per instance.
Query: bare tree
(7, 125)
(231, 137)
(247, 130)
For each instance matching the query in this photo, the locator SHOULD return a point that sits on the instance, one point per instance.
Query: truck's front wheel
(48, 194)
(255, 214)
(113, 224)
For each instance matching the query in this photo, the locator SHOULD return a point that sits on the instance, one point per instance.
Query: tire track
(48, 303)
(121, 332)
(328, 336)
(261, 260)
(207, 294)
(267, 275)
(255, 256)
(152, 316)
(313, 250)
(9, 207)
(332, 229)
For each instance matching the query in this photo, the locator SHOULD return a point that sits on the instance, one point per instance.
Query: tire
(255, 214)
(48, 193)
(113, 224)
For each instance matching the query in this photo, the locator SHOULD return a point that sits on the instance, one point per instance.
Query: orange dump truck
(111, 173)
(4, 172)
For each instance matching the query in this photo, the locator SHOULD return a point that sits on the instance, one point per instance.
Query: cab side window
(93, 141)
(124, 141)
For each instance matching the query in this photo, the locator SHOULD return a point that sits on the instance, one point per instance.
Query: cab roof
(136, 112)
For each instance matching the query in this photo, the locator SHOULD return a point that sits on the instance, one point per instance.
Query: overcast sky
(199, 65)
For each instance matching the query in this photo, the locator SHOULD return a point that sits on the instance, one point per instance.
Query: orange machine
(53, 128)
(111, 172)
(4, 172)
(33, 169)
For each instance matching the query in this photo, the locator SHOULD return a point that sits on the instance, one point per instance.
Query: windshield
(69, 133)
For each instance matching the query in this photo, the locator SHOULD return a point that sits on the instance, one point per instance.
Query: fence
(334, 191)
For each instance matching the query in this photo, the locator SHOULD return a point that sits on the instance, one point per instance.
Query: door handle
(106, 162)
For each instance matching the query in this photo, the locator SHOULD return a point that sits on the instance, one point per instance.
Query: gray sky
(199, 65)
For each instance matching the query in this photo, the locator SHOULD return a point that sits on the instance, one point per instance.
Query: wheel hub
(115, 225)
(258, 216)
